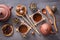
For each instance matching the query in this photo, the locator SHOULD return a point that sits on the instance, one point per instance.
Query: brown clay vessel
(5, 12)
(46, 29)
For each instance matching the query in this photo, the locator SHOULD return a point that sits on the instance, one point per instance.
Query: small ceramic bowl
(7, 29)
(23, 29)
(37, 17)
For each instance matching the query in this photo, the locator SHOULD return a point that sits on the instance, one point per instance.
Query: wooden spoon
(52, 14)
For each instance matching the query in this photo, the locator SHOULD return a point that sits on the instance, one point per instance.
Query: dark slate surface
(40, 4)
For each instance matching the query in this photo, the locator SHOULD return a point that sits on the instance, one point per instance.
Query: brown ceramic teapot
(5, 12)
(46, 29)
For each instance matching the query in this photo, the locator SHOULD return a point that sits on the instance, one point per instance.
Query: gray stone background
(40, 4)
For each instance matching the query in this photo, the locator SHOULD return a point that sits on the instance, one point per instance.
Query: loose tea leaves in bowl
(7, 29)
(37, 17)
(23, 28)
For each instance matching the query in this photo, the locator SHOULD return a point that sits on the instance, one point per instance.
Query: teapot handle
(52, 32)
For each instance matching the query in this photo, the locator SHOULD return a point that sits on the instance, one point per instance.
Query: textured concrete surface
(40, 4)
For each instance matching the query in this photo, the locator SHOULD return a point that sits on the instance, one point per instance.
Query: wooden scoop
(52, 14)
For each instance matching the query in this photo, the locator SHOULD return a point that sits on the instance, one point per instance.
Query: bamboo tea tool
(52, 14)
(21, 11)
